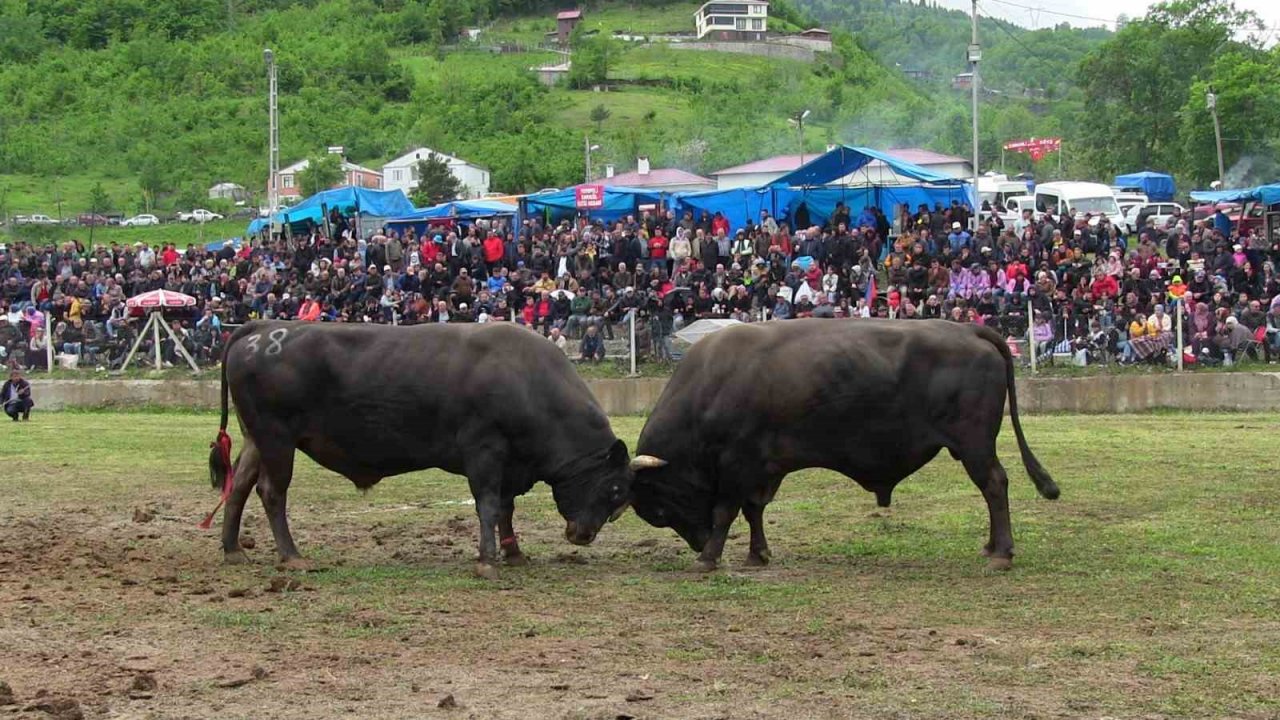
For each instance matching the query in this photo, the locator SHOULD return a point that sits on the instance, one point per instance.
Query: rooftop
(657, 178)
(776, 164)
(569, 15)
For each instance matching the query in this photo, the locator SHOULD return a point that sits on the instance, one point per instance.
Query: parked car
(199, 215)
(1244, 219)
(1135, 218)
(141, 221)
(87, 219)
(35, 220)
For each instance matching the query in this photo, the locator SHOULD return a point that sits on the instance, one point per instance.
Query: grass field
(31, 194)
(181, 234)
(1149, 590)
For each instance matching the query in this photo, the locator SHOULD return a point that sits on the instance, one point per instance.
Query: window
(1046, 203)
(721, 20)
(286, 181)
(757, 24)
(397, 175)
(741, 24)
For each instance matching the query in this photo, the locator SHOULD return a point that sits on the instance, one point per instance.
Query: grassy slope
(180, 234)
(1148, 589)
(28, 194)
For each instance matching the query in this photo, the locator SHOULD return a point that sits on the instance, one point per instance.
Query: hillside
(162, 99)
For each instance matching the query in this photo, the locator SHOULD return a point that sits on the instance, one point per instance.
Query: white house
(402, 173)
(732, 20)
(353, 175)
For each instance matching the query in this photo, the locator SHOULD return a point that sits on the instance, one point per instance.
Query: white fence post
(48, 340)
(1177, 306)
(633, 342)
(1031, 334)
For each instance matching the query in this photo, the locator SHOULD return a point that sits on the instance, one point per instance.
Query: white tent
(702, 328)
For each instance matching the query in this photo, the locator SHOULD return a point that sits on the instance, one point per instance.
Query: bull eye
(614, 489)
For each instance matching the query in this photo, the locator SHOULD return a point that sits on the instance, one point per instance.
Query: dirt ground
(115, 605)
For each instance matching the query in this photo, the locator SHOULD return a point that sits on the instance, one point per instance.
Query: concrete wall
(763, 49)
(1097, 394)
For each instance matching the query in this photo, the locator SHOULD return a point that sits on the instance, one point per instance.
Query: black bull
(872, 399)
(495, 403)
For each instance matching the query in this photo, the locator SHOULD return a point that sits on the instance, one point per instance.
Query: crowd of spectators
(1075, 284)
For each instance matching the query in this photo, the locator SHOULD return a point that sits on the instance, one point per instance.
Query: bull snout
(577, 534)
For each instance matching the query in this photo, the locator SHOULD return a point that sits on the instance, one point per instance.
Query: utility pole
(273, 138)
(798, 121)
(975, 54)
(587, 149)
(1211, 99)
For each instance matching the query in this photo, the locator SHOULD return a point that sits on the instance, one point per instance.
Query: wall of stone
(1096, 394)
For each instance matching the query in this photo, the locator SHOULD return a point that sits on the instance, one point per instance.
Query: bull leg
(722, 518)
(484, 475)
(759, 554)
(510, 547)
(989, 475)
(246, 478)
(273, 488)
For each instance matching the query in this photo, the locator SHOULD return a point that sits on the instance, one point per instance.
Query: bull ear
(618, 455)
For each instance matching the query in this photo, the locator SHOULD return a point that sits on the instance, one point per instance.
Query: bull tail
(221, 469)
(1039, 476)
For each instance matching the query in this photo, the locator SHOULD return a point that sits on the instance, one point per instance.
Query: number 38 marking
(275, 339)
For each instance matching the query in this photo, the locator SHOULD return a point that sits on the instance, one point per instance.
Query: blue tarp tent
(372, 203)
(618, 202)
(737, 205)
(845, 160)
(1267, 194)
(1157, 186)
(458, 210)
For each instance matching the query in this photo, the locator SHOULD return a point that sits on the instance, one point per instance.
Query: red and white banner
(1035, 147)
(589, 197)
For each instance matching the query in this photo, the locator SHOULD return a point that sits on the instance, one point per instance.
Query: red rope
(223, 444)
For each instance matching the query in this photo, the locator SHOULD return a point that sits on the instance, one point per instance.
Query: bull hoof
(235, 557)
(1000, 564)
(704, 566)
(759, 559)
(516, 559)
(485, 571)
(296, 564)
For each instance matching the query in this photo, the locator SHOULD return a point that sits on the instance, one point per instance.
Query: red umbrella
(159, 300)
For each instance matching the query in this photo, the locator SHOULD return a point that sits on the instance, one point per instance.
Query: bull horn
(621, 509)
(646, 462)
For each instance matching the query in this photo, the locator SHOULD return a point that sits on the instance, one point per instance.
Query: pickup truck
(33, 220)
(198, 216)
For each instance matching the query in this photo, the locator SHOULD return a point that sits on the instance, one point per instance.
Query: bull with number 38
(493, 402)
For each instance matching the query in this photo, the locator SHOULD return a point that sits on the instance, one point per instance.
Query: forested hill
(164, 97)
(924, 36)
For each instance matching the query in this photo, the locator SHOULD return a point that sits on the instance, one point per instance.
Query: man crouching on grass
(16, 395)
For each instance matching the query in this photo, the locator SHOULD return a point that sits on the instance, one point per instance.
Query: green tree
(322, 172)
(436, 183)
(99, 200)
(1248, 100)
(599, 114)
(591, 59)
(1136, 83)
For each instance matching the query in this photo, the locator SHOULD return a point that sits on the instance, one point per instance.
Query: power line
(1055, 12)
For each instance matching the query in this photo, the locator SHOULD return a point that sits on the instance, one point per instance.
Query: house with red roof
(566, 21)
(663, 179)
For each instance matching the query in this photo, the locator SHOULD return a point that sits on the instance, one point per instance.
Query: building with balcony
(738, 20)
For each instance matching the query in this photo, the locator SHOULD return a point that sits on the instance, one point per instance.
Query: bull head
(646, 462)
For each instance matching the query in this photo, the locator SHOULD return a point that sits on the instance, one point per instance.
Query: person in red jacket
(169, 256)
(430, 251)
(493, 250)
(719, 224)
(310, 310)
(1104, 286)
(658, 245)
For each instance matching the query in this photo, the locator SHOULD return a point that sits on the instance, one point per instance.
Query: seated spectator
(557, 338)
(592, 347)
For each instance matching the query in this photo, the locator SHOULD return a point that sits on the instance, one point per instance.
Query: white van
(1077, 199)
(1014, 206)
(998, 189)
